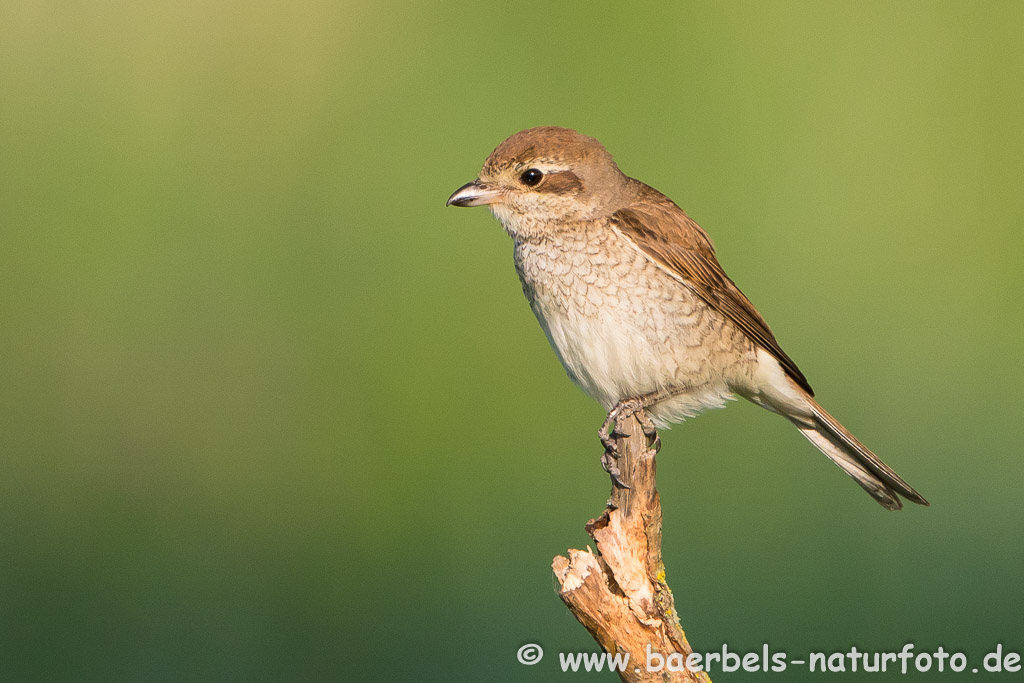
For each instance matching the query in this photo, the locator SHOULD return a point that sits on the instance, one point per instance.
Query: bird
(633, 301)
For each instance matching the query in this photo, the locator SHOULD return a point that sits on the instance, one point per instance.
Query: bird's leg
(610, 428)
(608, 434)
(628, 407)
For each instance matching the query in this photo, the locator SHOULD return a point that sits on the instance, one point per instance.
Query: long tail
(857, 460)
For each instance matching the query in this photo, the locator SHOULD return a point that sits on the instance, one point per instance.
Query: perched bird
(635, 304)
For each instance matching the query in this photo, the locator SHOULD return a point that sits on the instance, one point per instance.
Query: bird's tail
(856, 459)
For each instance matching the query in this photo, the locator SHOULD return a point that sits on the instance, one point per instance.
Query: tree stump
(619, 594)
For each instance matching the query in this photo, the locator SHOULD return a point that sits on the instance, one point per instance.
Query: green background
(268, 410)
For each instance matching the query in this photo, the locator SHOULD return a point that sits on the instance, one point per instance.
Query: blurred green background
(271, 412)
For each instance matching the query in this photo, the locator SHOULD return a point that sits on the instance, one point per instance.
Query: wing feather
(672, 240)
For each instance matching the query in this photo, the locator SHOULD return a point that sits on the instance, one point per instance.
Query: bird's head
(543, 177)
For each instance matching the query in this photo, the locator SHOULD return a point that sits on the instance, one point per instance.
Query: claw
(608, 436)
(608, 463)
(608, 459)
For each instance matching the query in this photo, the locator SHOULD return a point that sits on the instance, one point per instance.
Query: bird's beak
(475, 193)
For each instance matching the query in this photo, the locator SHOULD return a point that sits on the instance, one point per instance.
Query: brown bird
(635, 304)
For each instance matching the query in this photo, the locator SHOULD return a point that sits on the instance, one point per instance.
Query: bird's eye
(531, 177)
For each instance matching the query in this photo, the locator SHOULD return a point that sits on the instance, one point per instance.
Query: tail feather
(843, 448)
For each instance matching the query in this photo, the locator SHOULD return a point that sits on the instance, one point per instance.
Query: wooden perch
(619, 594)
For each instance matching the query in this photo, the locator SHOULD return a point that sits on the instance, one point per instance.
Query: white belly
(612, 359)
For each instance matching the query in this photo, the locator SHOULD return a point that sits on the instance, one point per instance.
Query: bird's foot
(610, 431)
(609, 461)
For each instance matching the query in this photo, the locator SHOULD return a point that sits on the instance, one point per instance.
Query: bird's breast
(620, 326)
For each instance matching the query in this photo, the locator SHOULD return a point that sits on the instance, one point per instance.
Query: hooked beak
(475, 193)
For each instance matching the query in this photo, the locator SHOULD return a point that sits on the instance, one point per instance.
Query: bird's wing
(673, 241)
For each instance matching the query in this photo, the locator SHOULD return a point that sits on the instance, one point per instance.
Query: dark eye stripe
(561, 182)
